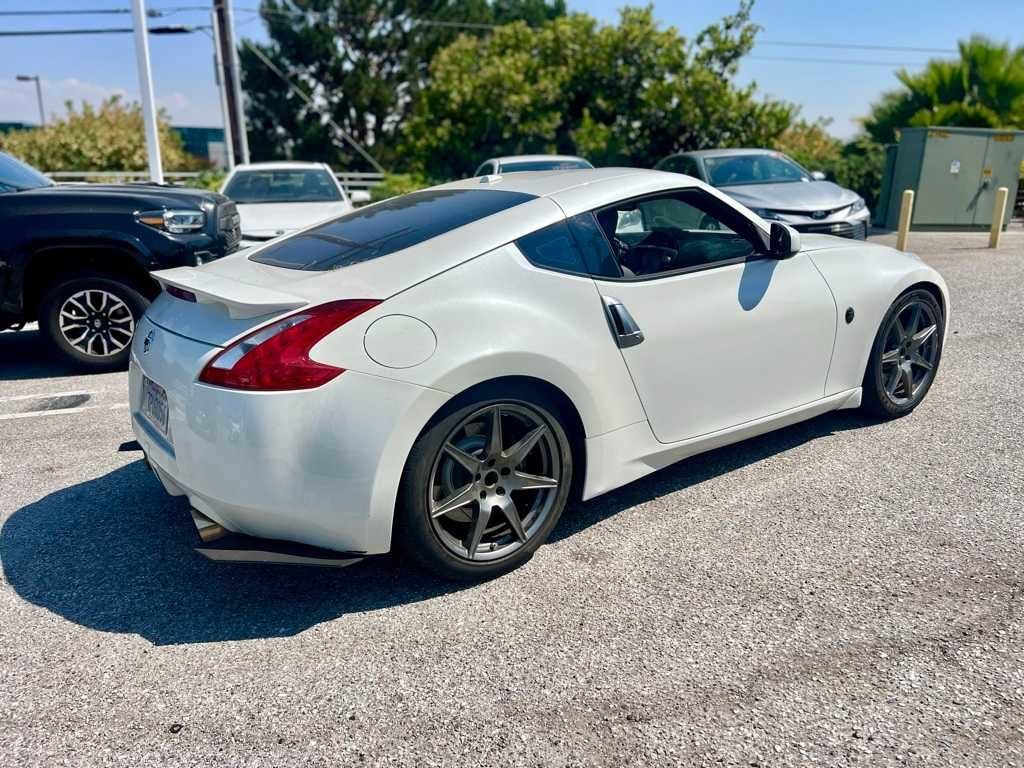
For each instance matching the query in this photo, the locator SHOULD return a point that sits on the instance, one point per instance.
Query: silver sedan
(777, 188)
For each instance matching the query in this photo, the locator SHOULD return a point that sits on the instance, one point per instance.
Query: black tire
(114, 328)
(878, 399)
(416, 533)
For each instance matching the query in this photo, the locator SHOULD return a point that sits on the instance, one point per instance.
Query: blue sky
(92, 67)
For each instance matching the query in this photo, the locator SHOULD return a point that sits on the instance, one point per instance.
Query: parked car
(444, 369)
(777, 188)
(277, 199)
(77, 258)
(516, 163)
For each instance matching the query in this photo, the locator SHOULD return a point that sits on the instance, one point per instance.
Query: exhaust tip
(207, 528)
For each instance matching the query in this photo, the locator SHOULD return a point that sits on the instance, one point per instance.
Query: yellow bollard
(997, 217)
(906, 209)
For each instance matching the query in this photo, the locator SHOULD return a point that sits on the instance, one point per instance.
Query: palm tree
(984, 88)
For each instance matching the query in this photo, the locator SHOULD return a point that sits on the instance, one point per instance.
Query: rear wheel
(90, 319)
(483, 487)
(905, 356)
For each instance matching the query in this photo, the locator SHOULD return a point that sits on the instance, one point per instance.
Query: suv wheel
(90, 319)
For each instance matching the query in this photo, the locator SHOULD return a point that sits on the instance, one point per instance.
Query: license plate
(154, 404)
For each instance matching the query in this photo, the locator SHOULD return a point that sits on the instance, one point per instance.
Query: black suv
(77, 258)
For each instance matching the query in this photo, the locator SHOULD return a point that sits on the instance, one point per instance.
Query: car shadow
(115, 554)
(24, 355)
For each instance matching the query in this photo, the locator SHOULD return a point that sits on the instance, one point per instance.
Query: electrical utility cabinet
(954, 173)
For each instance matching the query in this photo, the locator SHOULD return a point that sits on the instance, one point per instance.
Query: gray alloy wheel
(495, 481)
(910, 352)
(96, 323)
(905, 355)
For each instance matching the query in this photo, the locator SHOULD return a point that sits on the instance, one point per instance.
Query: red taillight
(276, 357)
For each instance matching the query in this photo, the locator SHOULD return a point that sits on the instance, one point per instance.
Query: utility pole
(222, 91)
(156, 171)
(234, 129)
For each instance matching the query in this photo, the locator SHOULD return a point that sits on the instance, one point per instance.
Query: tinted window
(16, 176)
(553, 248)
(597, 253)
(312, 185)
(771, 167)
(545, 165)
(675, 231)
(401, 222)
(680, 164)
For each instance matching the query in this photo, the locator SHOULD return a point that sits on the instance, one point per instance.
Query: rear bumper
(318, 467)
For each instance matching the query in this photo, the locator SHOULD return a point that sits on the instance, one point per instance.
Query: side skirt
(627, 454)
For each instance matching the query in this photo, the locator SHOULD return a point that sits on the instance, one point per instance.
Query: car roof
(728, 152)
(533, 158)
(280, 166)
(548, 183)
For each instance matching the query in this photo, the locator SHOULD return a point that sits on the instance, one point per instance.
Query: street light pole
(156, 171)
(39, 94)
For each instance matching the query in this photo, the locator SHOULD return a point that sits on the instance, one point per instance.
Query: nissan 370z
(443, 371)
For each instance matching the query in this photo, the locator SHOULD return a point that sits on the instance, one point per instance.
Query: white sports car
(442, 371)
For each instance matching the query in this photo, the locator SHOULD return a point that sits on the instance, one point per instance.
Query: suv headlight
(764, 213)
(177, 222)
(858, 205)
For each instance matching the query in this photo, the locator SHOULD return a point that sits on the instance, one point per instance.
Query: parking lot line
(45, 395)
(60, 411)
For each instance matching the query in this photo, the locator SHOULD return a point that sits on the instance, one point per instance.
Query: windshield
(769, 168)
(312, 185)
(544, 165)
(387, 227)
(15, 176)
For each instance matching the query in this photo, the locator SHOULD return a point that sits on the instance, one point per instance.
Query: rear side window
(553, 248)
(577, 245)
(387, 227)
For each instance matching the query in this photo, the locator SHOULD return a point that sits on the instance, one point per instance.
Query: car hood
(272, 219)
(792, 195)
(149, 195)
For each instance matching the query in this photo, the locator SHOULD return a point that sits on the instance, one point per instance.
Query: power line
(165, 30)
(857, 47)
(865, 62)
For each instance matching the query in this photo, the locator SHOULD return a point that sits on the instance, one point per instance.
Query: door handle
(624, 329)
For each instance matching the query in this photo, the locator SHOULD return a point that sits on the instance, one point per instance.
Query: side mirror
(359, 197)
(818, 175)
(784, 241)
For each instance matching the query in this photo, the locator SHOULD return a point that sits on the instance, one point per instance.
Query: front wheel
(905, 356)
(483, 487)
(90, 319)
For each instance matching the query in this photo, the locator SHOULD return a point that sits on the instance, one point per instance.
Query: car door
(714, 332)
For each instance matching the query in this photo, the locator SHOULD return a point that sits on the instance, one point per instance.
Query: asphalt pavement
(841, 592)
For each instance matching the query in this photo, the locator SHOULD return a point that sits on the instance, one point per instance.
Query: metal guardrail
(349, 179)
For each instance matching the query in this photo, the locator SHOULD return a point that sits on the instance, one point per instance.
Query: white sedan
(276, 199)
(444, 370)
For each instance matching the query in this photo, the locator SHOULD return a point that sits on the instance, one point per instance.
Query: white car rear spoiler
(243, 300)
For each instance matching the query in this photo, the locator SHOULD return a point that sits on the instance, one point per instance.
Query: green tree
(857, 164)
(625, 94)
(983, 88)
(363, 61)
(811, 145)
(106, 138)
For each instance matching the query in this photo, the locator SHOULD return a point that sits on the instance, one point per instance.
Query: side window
(685, 229)
(679, 164)
(688, 166)
(553, 248)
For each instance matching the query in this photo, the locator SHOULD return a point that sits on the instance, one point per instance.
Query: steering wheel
(709, 222)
